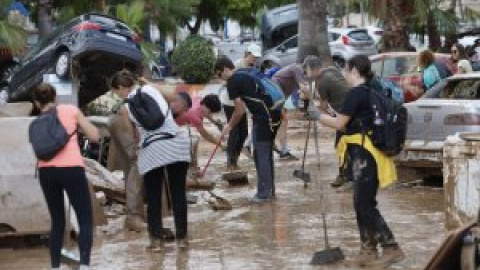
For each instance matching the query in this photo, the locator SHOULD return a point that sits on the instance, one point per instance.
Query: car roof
(345, 30)
(466, 76)
(396, 54)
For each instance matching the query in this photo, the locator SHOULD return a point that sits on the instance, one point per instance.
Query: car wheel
(339, 62)
(6, 72)
(62, 65)
(3, 95)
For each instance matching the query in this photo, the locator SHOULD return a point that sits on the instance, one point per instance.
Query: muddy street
(282, 234)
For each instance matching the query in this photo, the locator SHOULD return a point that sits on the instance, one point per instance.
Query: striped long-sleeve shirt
(161, 152)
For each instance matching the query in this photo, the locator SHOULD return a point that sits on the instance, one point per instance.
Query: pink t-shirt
(70, 155)
(194, 116)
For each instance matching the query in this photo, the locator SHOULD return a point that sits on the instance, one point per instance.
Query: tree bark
(433, 36)
(451, 37)
(395, 35)
(312, 30)
(44, 18)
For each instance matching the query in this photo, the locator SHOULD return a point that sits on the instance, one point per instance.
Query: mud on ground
(282, 234)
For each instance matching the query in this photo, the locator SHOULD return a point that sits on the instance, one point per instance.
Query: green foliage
(194, 60)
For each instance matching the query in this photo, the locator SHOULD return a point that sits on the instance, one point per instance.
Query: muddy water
(282, 234)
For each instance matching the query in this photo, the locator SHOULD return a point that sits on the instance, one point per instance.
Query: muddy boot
(390, 255)
(365, 256)
(182, 243)
(156, 245)
(339, 181)
(134, 223)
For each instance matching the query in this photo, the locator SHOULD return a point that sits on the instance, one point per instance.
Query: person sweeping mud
(242, 89)
(201, 108)
(163, 156)
(367, 167)
(292, 79)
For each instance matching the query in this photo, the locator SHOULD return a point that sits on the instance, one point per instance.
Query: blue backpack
(268, 92)
(388, 88)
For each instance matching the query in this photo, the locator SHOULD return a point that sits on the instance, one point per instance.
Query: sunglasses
(454, 51)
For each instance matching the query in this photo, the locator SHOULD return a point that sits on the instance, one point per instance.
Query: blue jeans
(263, 138)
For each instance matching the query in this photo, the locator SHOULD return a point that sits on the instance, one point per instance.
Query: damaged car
(432, 120)
(89, 49)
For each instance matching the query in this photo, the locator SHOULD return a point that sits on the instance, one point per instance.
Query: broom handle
(211, 156)
(306, 144)
(325, 233)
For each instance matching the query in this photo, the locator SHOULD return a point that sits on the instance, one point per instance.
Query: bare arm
(207, 135)
(88, 128)
(169, 96)
(236, 116)
(338, 123)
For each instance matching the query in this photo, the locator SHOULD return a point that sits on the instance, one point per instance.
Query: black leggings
(154, 182)
(237, 136)
(55, 180)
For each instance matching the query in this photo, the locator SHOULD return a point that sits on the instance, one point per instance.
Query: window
(292, 43)
(360, 35)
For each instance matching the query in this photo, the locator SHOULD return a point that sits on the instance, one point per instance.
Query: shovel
(302, 174)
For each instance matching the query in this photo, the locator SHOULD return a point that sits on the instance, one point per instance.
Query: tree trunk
(451, 37)
(44, 18)
(395, 35)
(196, 26)
(312, 29)
(433, 36)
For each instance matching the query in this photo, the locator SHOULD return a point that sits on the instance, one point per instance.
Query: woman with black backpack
(163, 154)
(66, 172)
(367, 166)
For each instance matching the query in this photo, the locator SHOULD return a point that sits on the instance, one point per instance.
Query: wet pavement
(282, 234)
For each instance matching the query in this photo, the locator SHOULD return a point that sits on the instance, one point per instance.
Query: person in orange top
(66, 172)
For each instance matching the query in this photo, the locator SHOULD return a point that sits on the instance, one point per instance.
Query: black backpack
(389, 125)
(146, 111)
(47, 135)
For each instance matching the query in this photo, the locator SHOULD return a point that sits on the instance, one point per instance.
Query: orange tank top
(70, 155)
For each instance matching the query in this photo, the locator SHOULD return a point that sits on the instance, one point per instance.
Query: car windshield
(360, 35)
(105, 21)
(398, 66)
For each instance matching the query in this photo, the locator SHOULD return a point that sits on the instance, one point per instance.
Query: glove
(313, 112)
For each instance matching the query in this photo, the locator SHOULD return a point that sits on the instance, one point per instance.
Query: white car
(375, 32)
(344, 44)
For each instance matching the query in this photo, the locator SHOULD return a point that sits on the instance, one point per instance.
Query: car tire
(62, 65)
(339, 62)
(3, 95)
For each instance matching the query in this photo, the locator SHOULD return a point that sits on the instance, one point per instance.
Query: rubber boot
(390, 255)
(365, 255)
(182, 243)
(156, 245)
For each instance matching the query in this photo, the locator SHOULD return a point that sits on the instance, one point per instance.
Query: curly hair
(425, 58)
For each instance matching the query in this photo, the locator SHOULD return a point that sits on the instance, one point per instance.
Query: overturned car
(89, 48)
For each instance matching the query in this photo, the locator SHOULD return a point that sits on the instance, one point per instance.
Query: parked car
(402, 68)
(344, 44)
(430, 121)
(91, 48)
(375, 32)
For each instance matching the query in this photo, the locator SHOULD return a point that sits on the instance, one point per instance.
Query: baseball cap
(255, 50)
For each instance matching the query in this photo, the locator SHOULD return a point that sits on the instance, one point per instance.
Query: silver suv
(344, 44)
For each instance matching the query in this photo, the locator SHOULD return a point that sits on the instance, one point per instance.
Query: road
(282, 234)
